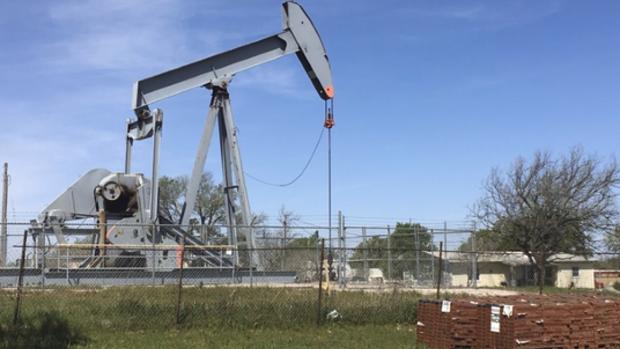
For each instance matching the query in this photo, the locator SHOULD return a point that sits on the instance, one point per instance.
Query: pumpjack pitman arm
(299, 37)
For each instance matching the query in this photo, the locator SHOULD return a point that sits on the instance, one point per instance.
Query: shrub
(44, 330)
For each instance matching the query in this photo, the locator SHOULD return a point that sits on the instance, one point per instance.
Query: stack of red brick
(523, 322)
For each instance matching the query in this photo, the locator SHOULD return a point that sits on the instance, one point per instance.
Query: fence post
(432, 277)
(474, 260)
(67, 264)
(344, 253)
(320, 300)
(20, 280)
(250, 252)
(283, 244)
(445, 246)
(389, 253)
(180, 283)
(317, 252)
(365, 253)
(439, 272)
(234, 266)
(339, 270)
(417, 253)
(43, 262)
(153, 259)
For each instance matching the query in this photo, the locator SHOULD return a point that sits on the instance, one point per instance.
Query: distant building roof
(508, 257)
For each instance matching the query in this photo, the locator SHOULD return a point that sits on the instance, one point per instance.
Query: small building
(606, 278)
(499, 269)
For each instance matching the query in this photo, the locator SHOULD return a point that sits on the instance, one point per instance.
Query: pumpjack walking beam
(299, 36)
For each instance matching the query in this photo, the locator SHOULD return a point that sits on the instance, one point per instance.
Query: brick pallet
(457, 328)
(524, 322)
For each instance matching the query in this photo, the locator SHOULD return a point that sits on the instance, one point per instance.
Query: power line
(316, 146)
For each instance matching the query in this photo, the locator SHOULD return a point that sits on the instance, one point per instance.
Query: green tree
(402, 245)
(171, 191)
(208, 211)
(488, 240)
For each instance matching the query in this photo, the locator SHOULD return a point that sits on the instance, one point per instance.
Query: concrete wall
(459, 275)
(564, 275)
(492, 274)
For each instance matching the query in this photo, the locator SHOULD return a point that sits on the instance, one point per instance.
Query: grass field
(220, 317)
(363, 336)
(213, 317)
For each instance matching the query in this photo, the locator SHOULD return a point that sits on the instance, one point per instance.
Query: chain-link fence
(163, 275)
(359, 256)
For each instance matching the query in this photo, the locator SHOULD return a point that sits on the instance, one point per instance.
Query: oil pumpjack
(128, 203)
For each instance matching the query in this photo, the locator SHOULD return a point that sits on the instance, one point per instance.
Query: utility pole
(5, 197)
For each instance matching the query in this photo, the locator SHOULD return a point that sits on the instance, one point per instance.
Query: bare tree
(287, 218)
(548, 206)
(275, 241)
(612, 240)
(258, 219)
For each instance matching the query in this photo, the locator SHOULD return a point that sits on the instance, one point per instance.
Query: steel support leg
(246, 213)
(232, 172)
(154, 205)
(199, 164)
(158, 120)
(227, 175)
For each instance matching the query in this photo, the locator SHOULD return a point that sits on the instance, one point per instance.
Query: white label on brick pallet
(445, 306)
(495, 319)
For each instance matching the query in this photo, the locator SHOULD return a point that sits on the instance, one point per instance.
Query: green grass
(366, 336)
(144, 317)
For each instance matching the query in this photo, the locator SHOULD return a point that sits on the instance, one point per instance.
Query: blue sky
(430, 96)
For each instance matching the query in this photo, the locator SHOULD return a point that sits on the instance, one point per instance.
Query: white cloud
(118, 35)
(140, 38)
